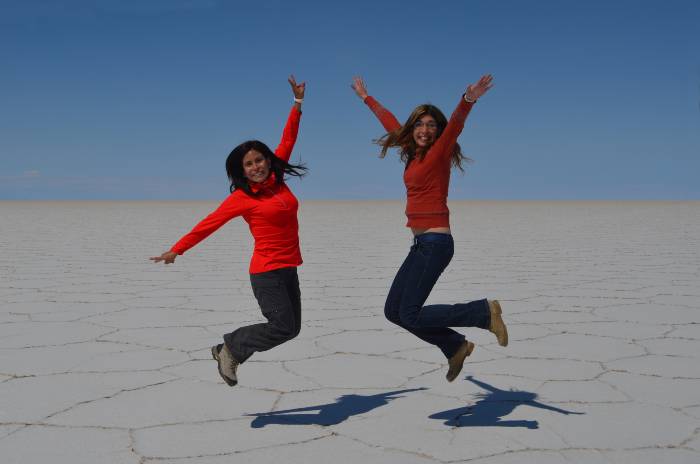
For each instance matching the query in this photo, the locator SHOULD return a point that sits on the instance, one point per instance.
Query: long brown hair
(402, 138)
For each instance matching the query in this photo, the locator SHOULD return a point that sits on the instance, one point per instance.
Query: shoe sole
(451, 377)
(497, 324)
(215, 355)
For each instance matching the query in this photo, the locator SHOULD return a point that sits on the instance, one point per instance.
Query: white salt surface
(104, 356)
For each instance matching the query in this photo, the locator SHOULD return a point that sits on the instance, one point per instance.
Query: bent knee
(392, 314)
(284, 329)
(289, 331)
(408, 319)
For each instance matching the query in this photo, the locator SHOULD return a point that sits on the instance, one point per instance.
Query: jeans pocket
(425, 249)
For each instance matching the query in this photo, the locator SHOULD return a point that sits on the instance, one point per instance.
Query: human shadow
(330, 413)
(493, 406)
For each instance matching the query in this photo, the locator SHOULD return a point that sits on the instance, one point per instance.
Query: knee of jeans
(391, 312)
(408, 317)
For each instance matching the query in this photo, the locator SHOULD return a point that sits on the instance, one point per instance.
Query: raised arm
(231, 207)
(445, 144)
(537, 404)
(385, 116)
(291, 129)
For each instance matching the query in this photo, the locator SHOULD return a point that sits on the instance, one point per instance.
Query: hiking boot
(498, 327)
(457, 360)
(227, 364)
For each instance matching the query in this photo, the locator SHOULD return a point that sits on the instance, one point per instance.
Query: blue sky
(144, 99)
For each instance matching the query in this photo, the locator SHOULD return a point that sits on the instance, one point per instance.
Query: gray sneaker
(227, 364)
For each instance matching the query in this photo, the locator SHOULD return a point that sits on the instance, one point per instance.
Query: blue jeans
(429, 256)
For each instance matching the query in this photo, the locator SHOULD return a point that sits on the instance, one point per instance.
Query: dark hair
(234, 165)
(402, 138)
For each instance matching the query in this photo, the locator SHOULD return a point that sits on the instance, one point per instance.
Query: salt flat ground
(104, 356)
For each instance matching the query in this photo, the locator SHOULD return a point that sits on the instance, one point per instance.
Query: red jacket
(427, 181)
(271, 215)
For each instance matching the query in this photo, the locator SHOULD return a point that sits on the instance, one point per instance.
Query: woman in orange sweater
(427, 144)
(259, 194)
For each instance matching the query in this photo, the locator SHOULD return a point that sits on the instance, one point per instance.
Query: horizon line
(360, 200)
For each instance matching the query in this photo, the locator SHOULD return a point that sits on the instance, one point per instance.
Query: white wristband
(466, 99)
(299, 100)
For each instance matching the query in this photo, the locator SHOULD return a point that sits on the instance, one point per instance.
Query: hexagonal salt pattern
(104, 356)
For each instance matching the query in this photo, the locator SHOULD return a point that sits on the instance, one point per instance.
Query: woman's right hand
(358, 85)
(168, 257)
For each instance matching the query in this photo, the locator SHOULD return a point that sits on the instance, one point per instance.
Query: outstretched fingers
(486, 82)
(474, 91)
(358, 85)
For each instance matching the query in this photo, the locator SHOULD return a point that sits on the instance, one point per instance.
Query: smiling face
(255, 166)
(425, 131)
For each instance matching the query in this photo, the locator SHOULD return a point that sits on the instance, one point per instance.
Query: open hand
(474, 91)
(358, 85)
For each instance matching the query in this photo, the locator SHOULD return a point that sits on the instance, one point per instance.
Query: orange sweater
(271, 215)
(427, 181)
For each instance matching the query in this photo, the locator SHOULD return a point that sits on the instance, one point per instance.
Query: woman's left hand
(298, 89)
(474, 91)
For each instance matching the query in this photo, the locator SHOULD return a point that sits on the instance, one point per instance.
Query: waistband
(433, 237)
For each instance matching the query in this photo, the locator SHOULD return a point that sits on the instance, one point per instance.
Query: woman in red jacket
(260, 195)
(427, 144)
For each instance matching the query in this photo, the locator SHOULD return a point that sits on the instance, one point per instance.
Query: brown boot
(457, 360)
(498, 327)
(227, 364)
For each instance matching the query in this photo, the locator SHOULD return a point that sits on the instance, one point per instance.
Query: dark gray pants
(279, 298)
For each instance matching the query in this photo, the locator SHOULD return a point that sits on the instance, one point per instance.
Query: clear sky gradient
(144, 99)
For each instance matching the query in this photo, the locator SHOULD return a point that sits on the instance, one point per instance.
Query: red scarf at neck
(268, 183)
